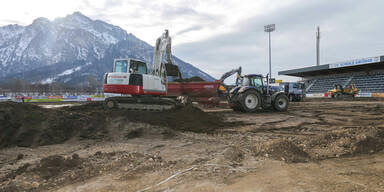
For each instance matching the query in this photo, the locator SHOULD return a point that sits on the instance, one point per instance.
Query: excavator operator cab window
(137, 67)
(121, 66)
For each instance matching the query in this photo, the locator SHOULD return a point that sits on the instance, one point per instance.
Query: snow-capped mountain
(70, 49)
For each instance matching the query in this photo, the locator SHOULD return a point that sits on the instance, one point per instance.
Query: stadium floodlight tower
(269, 28)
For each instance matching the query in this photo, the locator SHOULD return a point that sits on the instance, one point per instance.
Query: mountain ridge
(70, 49)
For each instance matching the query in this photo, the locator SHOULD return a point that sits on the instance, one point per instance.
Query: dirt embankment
(322, 130)
(331, 134)
(56, 170)
(338, 143)
(27, 125)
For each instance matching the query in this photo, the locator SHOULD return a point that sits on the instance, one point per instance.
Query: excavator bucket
(172, 70)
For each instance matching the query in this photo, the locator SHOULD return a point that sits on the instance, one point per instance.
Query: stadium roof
(355, 65)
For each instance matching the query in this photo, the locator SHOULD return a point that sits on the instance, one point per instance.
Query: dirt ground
(318, 145)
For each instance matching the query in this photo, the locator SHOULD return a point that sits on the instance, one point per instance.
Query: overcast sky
(219, 35)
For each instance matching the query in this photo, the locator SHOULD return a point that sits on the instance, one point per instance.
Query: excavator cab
(130, 66)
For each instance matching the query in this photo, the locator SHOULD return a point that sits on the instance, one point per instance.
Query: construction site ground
(317, 145)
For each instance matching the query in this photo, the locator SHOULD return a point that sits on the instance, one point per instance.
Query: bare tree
(93, 84)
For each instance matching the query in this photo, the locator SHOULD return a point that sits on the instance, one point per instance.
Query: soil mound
(30, 125)
(56, 170)
(28, 177)
(52, 166)
(234, 154)
(188, 118)
(25, 125)
(283, 150)
(346, 142)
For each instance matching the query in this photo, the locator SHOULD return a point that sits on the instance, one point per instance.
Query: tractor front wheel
(281, 103)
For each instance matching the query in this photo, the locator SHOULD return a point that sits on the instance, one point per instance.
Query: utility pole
(22, 82)
(318, 46)
(269, 28)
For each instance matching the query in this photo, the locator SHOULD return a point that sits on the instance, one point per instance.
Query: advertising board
(354, 62)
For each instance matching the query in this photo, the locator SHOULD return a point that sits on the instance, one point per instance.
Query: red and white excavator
(142, 90)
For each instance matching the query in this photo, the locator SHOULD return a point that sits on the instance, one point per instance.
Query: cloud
(189, 29)
(113, 3)
(217, 35)
(351, 29)
(11, 21)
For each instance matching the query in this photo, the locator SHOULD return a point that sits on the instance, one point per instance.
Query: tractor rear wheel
(250, 101)
(281, 103)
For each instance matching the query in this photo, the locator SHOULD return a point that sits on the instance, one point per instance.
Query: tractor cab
(253, 80)
(129, 66)
(257, 82)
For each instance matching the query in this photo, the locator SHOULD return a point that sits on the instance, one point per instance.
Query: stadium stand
(366, 74)
(370, 83)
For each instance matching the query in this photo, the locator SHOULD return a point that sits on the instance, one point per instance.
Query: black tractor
(250, 94)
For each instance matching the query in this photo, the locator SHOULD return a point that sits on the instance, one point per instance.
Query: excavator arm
(224, 88)
(163, 45)
(168, 49)
(230, 73)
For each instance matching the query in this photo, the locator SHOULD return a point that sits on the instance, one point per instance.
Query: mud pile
(30, 125)
(52, 166)
(345, 142)
(234, 154)
(188, 118)
(282, 150)
(56, 170)
(27, 125)
(339, 143)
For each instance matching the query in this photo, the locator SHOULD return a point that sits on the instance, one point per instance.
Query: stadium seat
(373, 82)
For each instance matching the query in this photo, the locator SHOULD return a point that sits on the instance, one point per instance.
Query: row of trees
(19, 87)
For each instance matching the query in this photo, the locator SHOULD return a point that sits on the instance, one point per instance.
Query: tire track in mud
(289, 130)
(272, 127)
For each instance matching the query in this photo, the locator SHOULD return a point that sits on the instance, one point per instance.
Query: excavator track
(140, 103)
